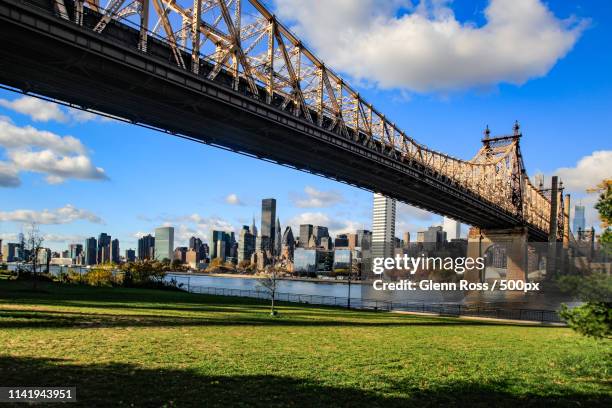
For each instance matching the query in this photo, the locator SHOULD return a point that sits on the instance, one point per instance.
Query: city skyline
(104, 180)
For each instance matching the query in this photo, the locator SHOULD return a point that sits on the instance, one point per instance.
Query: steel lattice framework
(241, 43)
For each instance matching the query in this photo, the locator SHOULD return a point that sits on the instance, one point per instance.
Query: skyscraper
(74, 251)
(383, 226)
(452, 228)
(278, 239)
(434, 237)
(130, 255)
(198, 246)
(91, 251)
(253, 228)
(246, 244)
(305, 233)
(268, 218)
(579, 219)
(146, 247)
(104, 241)
(320, 233)
(114, 251)
(288, 244)
(364, 239)
(164, 243)
(215, 237)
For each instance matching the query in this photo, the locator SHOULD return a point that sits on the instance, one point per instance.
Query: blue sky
(150, 178)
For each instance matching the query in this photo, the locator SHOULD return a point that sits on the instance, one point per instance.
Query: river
(545, 300)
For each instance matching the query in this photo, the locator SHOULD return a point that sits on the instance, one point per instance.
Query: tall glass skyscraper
(383, 226)
(164, 243)
(146, 247)
(452, 228)
(579, 219)
(91, 251)
(268, 220)
(305, 233)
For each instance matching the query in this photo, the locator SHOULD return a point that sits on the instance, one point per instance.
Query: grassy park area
(168, 348)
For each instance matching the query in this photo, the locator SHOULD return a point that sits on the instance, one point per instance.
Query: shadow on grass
(214, 310)
(101, 385)
(38, 319)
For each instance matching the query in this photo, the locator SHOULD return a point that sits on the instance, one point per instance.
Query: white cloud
(60, 238)
(313, 198)
(588, 172)
(428, 49)
(38, 109)
(57, 167)
(232, 199)
(14, 137)
(58, 157)
(82, 116)
(63, 215)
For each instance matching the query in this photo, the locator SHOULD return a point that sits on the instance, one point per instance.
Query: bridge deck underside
(42, 54)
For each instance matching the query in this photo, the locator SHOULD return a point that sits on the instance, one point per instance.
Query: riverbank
(159, 348)
(259, 276)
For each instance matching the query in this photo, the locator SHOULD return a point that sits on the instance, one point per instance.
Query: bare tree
(268, 283)
(34, 242)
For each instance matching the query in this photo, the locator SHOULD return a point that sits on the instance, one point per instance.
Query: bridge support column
(495, 244)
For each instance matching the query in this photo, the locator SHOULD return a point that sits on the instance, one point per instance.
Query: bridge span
(228, 73)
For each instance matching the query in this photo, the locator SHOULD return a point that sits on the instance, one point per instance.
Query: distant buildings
(352, 241)
(74, 252)
(383, 226)
(406, 238)
(200, 248)
(115, 256)
(246, 244)
(341, 241)
(452, 228)
(130, 255)
(146, 248)
(268, 227)
(307, 261)
(10, 252)
(277, 238)
(164, 243)
(221, 244)
(364, 239)
(104, 249)
(288, 244)
(434, 237)
(579, 219)
(305, 233)
(180, 253)
(91, 252)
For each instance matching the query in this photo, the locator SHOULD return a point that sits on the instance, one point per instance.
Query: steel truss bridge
(229, 74)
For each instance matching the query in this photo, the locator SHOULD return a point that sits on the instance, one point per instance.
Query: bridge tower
(513, 243)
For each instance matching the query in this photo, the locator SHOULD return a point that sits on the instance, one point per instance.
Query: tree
(268, 283)
(604, 206)
(34, 242)
(177, 265)
(594, 317)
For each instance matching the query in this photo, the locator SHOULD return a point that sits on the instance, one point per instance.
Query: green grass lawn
(161, 348)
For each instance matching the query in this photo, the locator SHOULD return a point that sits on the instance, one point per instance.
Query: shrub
(593, 319)
(99, 277)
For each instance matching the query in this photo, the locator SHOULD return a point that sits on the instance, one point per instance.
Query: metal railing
(442, 309)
